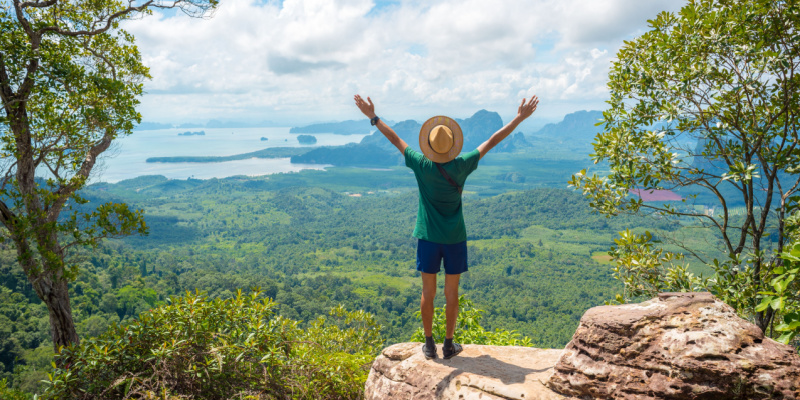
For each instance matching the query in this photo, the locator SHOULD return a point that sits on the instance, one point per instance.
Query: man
(440, 229)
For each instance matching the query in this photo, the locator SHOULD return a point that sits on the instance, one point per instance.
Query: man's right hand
(367, 108)
(526, 109)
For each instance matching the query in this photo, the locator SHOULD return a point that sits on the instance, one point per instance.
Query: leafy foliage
(70, 79)
(204, 348)
(706, 103)
(645, 271)
(7, 393)
(784, 296)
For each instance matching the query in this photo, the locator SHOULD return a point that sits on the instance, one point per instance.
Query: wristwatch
(374, 121)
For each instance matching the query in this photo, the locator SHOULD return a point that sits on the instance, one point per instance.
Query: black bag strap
(449, 179)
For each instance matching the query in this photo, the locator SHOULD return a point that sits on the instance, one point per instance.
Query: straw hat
(440, 139)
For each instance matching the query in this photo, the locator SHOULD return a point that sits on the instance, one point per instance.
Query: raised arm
(368, 109)
(525, 111)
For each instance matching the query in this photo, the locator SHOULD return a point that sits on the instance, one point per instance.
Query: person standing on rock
(440, 230)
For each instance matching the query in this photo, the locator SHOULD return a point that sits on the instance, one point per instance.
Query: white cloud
(302, 60)
(609, 20)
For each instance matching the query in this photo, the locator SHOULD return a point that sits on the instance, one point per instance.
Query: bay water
(127, 156)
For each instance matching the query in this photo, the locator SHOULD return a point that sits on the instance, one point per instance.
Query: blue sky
(300, 61)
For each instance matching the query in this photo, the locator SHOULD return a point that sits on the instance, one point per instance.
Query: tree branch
(26, 87)
(64, 191)
(37, 4)
(7, 217)
(108, 22)
(6, 94)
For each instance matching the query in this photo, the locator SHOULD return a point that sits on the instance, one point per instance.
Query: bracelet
(374, 121)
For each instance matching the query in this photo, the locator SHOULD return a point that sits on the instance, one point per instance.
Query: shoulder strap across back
(449, 179)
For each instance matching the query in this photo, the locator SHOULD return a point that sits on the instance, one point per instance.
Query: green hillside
(311, 244)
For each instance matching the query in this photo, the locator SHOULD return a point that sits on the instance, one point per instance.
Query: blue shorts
(430, 256)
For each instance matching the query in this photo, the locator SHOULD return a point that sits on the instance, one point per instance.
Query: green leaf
(778, 303)
(765, 303)
(786, 337)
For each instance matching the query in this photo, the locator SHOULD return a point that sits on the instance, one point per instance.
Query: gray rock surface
(675, 346)
(479, 372)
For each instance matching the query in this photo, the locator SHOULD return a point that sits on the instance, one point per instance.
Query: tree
(69, 83)
(706, 103)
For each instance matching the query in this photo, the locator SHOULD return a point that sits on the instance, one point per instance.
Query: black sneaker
(451, 351)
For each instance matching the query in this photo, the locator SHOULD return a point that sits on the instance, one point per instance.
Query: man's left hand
(367, 108)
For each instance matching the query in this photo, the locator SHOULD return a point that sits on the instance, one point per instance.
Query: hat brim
(425, 145)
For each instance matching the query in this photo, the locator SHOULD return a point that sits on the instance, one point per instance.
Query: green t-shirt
(439, 217)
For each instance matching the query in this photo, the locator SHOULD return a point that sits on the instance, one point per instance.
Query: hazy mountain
(578, 126)
(478, 128)
(407, 130)
(350, 127)
(145, 126)
(151, 126)
(229, 124)
(513, 142)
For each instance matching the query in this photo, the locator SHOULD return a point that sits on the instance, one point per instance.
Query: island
(263, 139)
(188, 133)
(307, 139)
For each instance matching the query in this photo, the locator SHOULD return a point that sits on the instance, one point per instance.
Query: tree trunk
(50, 286)
(55, 296)
(763, 319)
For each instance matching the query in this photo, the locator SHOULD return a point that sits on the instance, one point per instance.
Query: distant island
(187, 133)
(273, 152)
(307, 139)
(263, 139)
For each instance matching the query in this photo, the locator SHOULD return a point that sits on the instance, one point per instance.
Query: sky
(297, 62)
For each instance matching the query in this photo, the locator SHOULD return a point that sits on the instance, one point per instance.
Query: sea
(126, 158)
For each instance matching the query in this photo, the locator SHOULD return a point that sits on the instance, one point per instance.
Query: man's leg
(451, 308)
(426, 304)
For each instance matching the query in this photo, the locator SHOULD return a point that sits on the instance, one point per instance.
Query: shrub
(198, 348)
(11, 394)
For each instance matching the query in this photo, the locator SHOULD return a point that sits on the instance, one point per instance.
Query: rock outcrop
(676, 346)
(479, 372)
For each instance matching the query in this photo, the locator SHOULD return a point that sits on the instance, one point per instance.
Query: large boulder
(479, 372)
(676, 346)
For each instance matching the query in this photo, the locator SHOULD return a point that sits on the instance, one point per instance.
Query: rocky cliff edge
(677, 346)
(479, 372)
